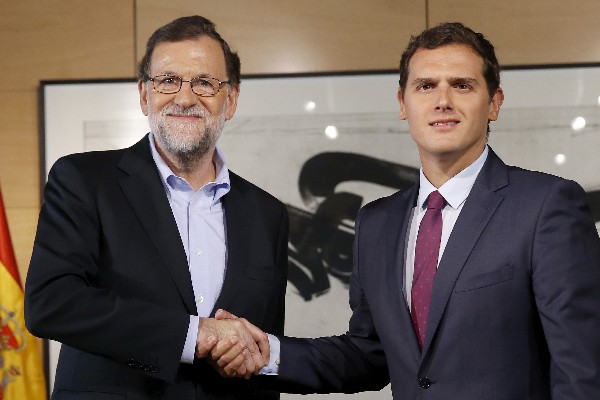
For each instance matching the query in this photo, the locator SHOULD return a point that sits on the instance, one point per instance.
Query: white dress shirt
(455, 191)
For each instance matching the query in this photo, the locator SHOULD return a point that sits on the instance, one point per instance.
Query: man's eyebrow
(172, 73)
(166, 73)
(463, 80)
(421, 81)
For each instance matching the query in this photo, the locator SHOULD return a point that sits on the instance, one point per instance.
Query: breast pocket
(485, 279)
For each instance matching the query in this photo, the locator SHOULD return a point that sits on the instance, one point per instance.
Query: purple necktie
(426, 258)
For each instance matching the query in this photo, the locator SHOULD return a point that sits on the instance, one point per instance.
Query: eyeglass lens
(200, 86)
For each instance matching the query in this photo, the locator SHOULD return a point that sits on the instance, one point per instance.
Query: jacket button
(425, 383)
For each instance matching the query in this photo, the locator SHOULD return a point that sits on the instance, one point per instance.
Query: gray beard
(183, 141)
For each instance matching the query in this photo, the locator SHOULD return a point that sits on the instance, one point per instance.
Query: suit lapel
(145, 192)
(395, 250)
(238, 229)
(479, 208)
(398, 227)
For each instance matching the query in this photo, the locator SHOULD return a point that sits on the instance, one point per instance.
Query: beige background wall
(70, 39)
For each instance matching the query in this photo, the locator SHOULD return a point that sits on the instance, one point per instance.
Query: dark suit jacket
(515, 311)
(109, 279)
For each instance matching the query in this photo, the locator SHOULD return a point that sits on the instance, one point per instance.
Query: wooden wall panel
(19, 170)
(19, 155)
(64, 39)
(529, 32)
(290, 36)
(43, 40)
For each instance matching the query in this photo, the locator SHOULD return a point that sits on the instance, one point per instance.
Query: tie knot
(435, 200)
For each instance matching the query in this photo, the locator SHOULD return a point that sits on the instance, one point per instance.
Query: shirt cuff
(273, 367)
(189, 348)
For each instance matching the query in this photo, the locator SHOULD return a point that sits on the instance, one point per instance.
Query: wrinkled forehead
(199, 56)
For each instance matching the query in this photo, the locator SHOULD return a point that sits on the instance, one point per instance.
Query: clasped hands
(232, 345)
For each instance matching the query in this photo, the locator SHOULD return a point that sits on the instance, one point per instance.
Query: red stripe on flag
(7, 256)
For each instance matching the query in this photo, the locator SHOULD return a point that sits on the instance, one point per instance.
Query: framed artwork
(327, 144)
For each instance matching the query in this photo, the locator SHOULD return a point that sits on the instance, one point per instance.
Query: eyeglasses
(201, 86)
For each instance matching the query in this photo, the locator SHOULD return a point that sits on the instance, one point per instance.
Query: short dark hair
(186, 28)
(448, 34)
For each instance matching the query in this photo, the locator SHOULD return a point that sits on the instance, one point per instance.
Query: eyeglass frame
(181, 80)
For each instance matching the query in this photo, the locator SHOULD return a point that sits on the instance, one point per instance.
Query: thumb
(222, 314)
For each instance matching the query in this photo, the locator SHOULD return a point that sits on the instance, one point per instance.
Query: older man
(136, 247)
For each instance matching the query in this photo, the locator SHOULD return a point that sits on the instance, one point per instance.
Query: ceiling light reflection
(331, 132)
(560, 159)
(310, 105)
(578, 124)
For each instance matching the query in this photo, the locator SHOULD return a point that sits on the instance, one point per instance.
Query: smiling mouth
(185, 117)
(444, 123)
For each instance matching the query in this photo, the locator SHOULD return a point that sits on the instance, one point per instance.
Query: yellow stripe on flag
(21, 370)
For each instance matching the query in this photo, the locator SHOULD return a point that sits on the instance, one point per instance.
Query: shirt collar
(219, 187)
(457, 188)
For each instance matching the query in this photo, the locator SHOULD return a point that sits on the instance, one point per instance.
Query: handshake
(233, 346)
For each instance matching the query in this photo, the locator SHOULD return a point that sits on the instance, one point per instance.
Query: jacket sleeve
(349, 363)
(69, 295)
(566, 284)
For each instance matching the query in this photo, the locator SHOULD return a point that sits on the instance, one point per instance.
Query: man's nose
(444, 99)
(185, 97)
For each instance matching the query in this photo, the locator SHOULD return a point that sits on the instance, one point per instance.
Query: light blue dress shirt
(201, 222)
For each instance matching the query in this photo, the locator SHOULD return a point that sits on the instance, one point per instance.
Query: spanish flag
(21, 370)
